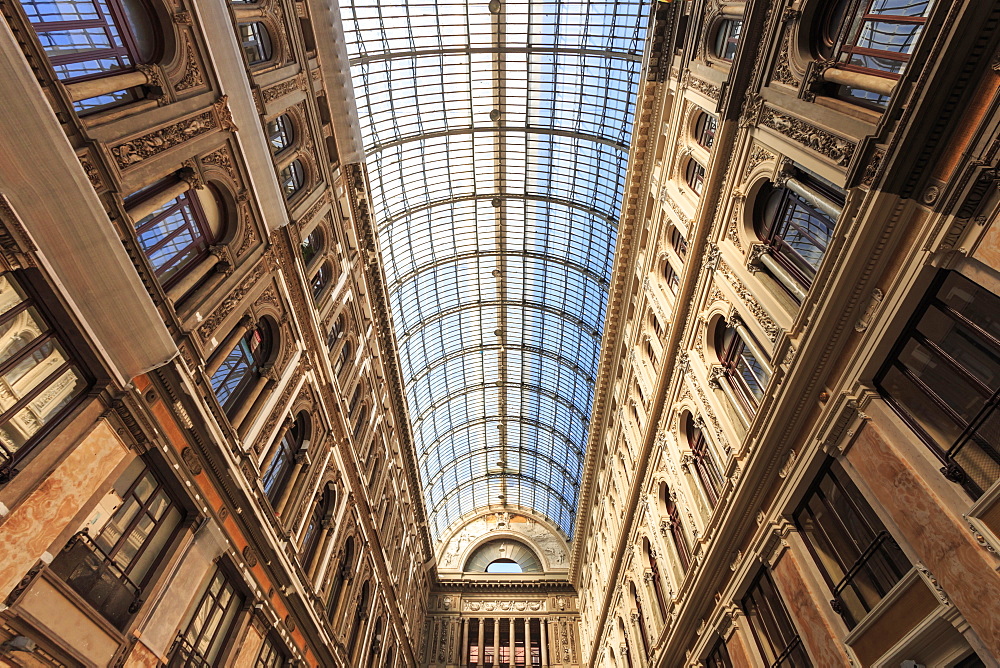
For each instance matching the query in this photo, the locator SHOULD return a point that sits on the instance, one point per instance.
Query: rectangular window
(943, 378)
(719, 656)
(771, 627)
(271, 655)
(39, 380)
(859, 559)
(211, 626)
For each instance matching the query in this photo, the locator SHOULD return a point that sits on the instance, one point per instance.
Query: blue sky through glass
(497, 230)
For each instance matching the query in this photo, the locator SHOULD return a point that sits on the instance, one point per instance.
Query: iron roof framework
(496, 138)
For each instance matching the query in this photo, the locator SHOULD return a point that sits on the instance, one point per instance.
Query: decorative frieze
(504, 606)
(152, 143)
(770, 328)
(229, 304)
(837, 149)
(192, 76)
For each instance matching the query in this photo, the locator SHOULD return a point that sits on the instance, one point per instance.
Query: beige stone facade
(205, 452)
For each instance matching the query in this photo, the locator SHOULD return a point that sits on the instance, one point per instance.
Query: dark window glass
(311, 246)
(719, 656)
(679, 243)
(673, 280)
(704, 462)
(748, 375)
(279, 133)
(271, 655)
(727, 38)
(704, 130)
(694, 174)
(344, 358)
(292, 178)
(796, 232)
(828, 27)
(39, 381)
(256, 42)
(859, 559)
(173, 236)
(771, 627)
(654, 568)
(279, 470)
(676, 529)
(90, 39)
(943, 378)
(241, 367)
(209, 630)
(320, 280)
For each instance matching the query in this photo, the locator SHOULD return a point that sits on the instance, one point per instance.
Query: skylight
(497, 137)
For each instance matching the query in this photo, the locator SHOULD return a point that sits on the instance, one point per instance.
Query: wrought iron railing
(974, 459)
(97, 579)
(183, 655)
(877, 570)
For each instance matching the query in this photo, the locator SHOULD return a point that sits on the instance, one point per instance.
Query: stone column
(272, 451)
(463, 656)
(194, 275)
(326, 555)
(316, 558)
(717, 380)
(527, 642)
(480, 661)
(148, 205)
(83, 90)
(513, 633)
(496, 641)
(760, 254)
(543, 623)
(286, 493)
(222, 352)
(251, 408)
(880, 85)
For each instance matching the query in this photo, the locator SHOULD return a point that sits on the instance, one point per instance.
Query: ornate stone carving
(224, 161)
(93, 174)
(221, 108)
(231, 301)
(192, 76)
(866, 318)
(190, 458)
(750, 113)
(150, 144)
(758, 155)
(782, 67)
(283, 88)
(746, 296)
(703, 87)
(837, 149)
(249, 556)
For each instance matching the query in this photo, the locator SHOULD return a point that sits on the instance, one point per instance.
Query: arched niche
(503, 555)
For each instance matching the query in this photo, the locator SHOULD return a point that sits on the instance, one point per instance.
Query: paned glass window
(694, 175)
(210, 628)
(880, 41)
(173, 236)
(719, 656)
(676, 528)
(279, 470)
(771, 627)
(271, 654)
(292, 178)
(705, 466)
(256, 42)
(279, 133)
(344, 358)
(311, 246)
(705, 128)
(943, 378)
(320, 280)
(796, 232)
(747, 374)
(89, 39)
(859, 559)
(241, 367)
(39, 380)
(679, 243)
(673, 280)
(727, 38)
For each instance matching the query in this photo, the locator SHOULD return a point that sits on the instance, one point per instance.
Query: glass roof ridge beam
(608, 217)
(527, 129)
(563, 501)
(569, 317)
(461, 352)
(466, 389)
(597, 277)
(379, 56)
(433, 445)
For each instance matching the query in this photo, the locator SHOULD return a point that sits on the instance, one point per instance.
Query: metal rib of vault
(496, 138)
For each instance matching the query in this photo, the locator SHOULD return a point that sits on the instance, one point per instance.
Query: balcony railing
(97, 579)
(876, 571)
(183, 655)
(974, 460)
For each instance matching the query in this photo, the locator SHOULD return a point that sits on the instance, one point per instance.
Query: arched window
(654, 568)
(336, 332)
(704, 129)
(345, 356)
(694, 175)
(280, 134)
(641, 618)
(311, 246)
(673, 517)
(256, 42)
(360, 615)
(827, 27)
(89, 39)
(796, 231)
(389, 656)
(727, 38)
(320, 280)
(310, 539)
(292, 178)
(747, 374)
(278, 473)
(671, 277)
(241, 367)
(344, 572)
(679, 243)
(41, 380)
(176, 233)
(360, 422)
(704, 463)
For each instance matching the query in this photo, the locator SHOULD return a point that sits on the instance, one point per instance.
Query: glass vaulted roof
(496, 137)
